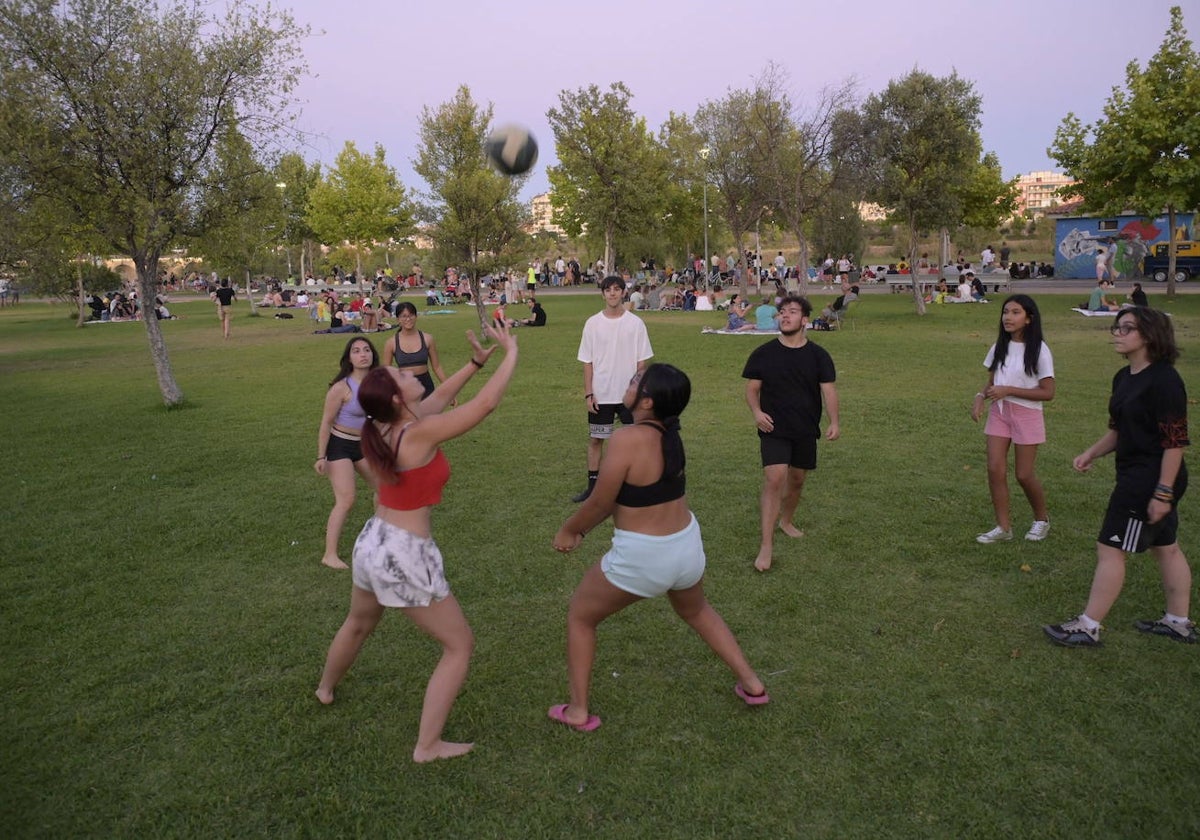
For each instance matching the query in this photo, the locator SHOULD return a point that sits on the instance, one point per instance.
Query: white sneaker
(1038, 531)
(995, 535)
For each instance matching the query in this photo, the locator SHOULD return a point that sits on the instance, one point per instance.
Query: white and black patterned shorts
(398, 567)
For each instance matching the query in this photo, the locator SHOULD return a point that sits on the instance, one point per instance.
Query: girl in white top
(1020, 380)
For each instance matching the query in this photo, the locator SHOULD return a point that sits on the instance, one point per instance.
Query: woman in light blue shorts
(656, 546)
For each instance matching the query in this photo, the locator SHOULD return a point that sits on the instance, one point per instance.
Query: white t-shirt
(1012, 372)
(613, 346)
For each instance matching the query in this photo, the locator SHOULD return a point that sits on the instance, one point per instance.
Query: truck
(1187, 261)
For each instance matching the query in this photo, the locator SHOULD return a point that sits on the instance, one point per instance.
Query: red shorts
(1020, 423)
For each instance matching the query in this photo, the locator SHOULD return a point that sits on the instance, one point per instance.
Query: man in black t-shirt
(788, 378)
(537, 315)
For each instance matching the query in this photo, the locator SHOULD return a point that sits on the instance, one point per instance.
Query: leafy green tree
(923, 149)
(359, 201)
(739, 131)
(682, 221)
(988, 200)
(1144, 153)
(611, 173)
(116, 109)
(240, 227)
(474, 210)
(296, 179)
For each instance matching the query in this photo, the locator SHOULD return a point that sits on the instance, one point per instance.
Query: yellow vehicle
(1187, 261)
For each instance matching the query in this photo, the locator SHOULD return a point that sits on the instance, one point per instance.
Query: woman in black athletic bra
(413, 350)
(656, 547)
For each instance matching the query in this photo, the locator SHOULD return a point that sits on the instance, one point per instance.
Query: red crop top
(418, 487)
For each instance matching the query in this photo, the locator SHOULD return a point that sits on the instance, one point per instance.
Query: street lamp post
(281, 186)
(704, 153)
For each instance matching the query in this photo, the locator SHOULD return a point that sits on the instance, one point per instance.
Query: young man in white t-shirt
(615, 346)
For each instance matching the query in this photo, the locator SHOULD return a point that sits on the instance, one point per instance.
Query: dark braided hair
(670, 389)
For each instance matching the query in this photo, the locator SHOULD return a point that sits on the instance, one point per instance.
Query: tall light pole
(282, 186)
(704, 153)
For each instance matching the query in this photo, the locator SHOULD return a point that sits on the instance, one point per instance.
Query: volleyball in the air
(511, 149)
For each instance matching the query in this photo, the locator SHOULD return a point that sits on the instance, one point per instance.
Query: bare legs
(782, 486)
(444, 622)
(341, 477)
(365, 613)
(595, 599)
(997, 470)
(1110, 577)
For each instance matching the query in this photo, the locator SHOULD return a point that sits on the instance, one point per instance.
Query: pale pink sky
(375, 64)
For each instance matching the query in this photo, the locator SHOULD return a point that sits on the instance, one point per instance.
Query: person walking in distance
(1147, 429)
(614, 346)
(224, 295)
(788, 379)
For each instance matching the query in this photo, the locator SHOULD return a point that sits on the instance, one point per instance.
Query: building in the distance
(1037, 192)
(542, 215)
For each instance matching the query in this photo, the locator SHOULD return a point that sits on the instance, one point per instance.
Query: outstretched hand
(478, 351)
(501, 333)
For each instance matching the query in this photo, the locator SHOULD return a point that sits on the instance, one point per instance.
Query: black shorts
(600, 422)
(800, 453)
(340, 449)
(1125, 526)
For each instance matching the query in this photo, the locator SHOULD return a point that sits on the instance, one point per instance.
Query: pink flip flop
(751, 699)
(559, 715)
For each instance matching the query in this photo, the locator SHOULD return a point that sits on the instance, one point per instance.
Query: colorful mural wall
(1124, 239)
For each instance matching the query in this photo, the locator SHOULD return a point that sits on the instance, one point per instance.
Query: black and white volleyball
(511, 149)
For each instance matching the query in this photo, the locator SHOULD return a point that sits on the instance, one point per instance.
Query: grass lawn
(166, 614)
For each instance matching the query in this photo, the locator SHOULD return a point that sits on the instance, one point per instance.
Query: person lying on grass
(656, 546)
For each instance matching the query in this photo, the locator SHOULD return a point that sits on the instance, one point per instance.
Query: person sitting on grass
(1099, 302)
(537, 316)
(737, 315)
(656, 546)
(766, 315)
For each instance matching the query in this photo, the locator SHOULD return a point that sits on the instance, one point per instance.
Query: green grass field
(166, 615)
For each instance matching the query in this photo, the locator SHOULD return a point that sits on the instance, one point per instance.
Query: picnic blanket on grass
(711, 331)
(1101, 313)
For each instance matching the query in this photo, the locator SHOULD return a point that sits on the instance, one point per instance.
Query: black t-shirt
(791, 385)
(539, 315)
(224, 295)
(1148, 411)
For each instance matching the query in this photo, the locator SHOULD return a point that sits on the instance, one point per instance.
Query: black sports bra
(417, 357)
(666, 489)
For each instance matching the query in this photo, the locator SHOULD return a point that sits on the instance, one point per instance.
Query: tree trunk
(609, 236)
(250, 296)
(147, 273)
(79, 293)
(918, 298)
(802, 264)
(1170, 251)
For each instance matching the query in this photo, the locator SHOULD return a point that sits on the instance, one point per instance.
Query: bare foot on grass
(324, 695)
(334, 562)
(790, 529)
(441, 749)
(763, 561)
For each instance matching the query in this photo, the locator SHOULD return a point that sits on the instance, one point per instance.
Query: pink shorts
(1020, 423)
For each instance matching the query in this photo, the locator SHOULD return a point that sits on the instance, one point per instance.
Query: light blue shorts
(399, 568)
(648, 566)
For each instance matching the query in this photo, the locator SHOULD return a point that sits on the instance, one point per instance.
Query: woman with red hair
(396, 561)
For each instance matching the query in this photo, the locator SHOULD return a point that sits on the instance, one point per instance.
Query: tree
(116, 108)
(474, 210)
(240, 226)
(359, 201)
(296, 179)
(682, 222)
(611, 173)
(738, 131)
(923, 148)
(1144, 153)
(816, 173)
